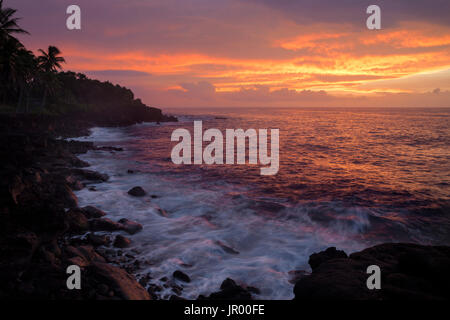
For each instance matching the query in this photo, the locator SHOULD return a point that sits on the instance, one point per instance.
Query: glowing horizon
(254, 53)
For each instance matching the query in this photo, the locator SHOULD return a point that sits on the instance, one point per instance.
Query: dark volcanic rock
(79, 147)
(123, 284)
(38, 173)
(66, 196)
(181, 276)
(229, 290)
(331, 253)
(74, 183)
(105, 224)
(98, 240)
(82, 256)
(408, 271)
(130, 226)
(121, 242)
(92, 212)
(90, 175)
(109, 148)
(137, 192)
(253, 290)
(77, 221)
(226, 248)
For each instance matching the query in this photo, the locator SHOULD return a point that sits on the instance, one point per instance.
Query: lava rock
(107, 148)
(121, 242)
(408, 271)
(65, 195)
(229, 290)
(122, 283)
(331, 253)
(82, 256)
(90, 175)
(181, 276)
(130, 226)
(98, 240)
(137, 192)
(104, 224)
(93, 213)
(74, 183)
(77, 221)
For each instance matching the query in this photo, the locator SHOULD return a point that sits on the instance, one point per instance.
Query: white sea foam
(204, 225)
(100, 134)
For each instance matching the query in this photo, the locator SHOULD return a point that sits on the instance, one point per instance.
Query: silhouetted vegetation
(36, 84)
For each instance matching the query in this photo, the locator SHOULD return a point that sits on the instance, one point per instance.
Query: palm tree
(18, 68)
(9, 48)
(8, 24)
(49, 63)
(27, 67)
(9, 69)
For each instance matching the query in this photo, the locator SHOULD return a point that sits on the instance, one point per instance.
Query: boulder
(137, 192)
(16, 187)
(77, 221)
(98, 240)
(108, 148)
(129, 226)
(226, 248)
(121, 242)
(90, 175)
(74, 183)
(181, 276)
(331, 253)
(65, 195)
(82, 256)
(229, 290)
(124, 285)
(93, 213)
(408, 271)
(104, 224)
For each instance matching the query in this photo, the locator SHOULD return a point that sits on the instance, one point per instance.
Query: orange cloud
(341, 61)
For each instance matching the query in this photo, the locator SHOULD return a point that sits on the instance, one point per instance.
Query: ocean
(348, 178)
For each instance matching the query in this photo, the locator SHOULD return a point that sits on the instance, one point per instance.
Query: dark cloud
(353, 11)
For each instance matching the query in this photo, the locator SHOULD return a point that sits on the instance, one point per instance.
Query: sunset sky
(179, 53)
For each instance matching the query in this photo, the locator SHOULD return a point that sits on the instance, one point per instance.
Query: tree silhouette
(49, 62)
(8, 23)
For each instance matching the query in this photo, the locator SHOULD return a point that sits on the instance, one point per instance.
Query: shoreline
(40, 238)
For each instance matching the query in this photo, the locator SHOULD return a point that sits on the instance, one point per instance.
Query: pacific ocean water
(348, 178)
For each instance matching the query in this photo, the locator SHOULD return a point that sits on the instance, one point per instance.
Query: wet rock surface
(137, 192)
(229, 290)
(121, 242)
(42, 229)
(408, 271)
(180, 275)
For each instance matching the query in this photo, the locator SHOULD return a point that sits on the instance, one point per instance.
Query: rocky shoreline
(43, 231)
